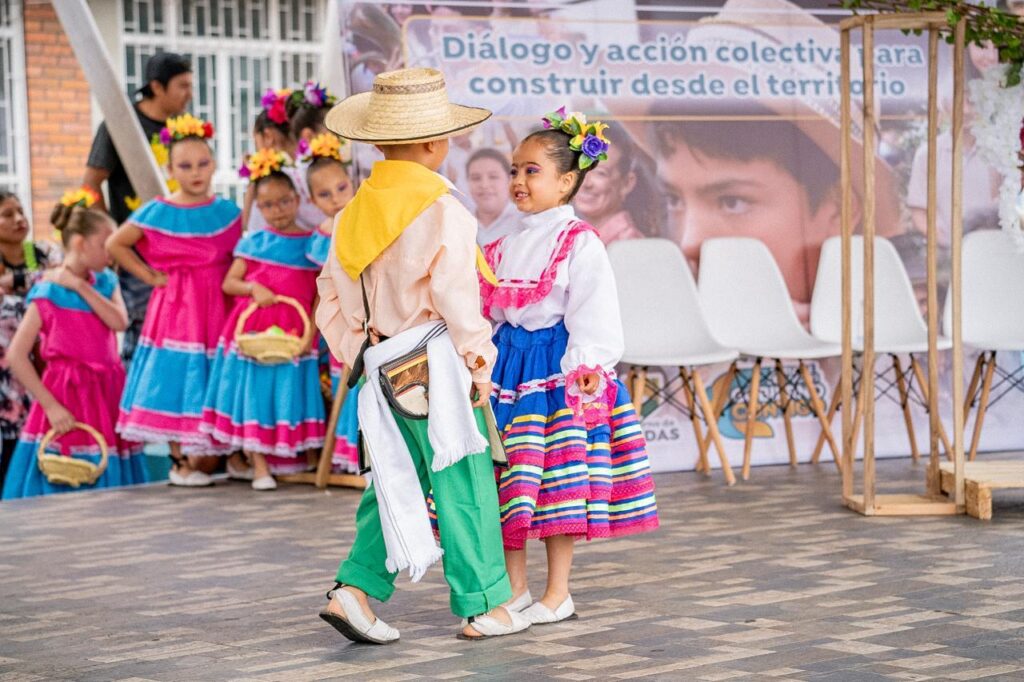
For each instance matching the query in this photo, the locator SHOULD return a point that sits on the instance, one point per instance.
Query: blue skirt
(24, 479)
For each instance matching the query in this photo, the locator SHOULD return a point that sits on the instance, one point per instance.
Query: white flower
(998, 112)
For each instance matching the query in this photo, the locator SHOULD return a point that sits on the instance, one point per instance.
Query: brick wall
(60, 126)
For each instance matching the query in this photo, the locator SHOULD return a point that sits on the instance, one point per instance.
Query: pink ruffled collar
(519, 293)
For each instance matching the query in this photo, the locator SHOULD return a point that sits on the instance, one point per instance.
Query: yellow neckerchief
(394, 195)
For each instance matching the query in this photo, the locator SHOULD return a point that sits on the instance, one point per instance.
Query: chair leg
(972, 388)
(752, 406)
(908, 419)
(780, 376)
(818, 408)
(858, 417)
(919, 373)
(983, 404)
(833, 407)
(702, 452)
(637, 389)
(711, 417)
(719, 398)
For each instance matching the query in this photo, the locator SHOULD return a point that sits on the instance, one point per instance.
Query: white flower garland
(998, 112)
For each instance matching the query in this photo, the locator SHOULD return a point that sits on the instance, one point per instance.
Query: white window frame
(20, 180)
(223, 49)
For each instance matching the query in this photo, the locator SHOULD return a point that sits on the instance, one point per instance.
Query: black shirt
(104, 155)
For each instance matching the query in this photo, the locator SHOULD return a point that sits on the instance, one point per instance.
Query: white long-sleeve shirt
(583, 292)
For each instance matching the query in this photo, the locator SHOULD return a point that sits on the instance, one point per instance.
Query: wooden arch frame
(932, 502)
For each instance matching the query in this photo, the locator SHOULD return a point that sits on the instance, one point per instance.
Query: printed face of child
(191, 164)
(603, 190)
(13, 223)
(535, 184)
(711, 197)
(487, 185)
(331, 188)
(278, 202)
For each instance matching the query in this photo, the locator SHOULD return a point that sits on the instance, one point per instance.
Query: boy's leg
(365, 566)
(466, 498)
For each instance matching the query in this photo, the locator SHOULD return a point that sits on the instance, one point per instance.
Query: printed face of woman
(13, 223)
(487, 185)
(535, 183)
(331, 188)
(604, 190)
(712, 197)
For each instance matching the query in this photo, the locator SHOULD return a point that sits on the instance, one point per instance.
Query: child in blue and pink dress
(185, 243)
(74, 314)
(273, 412)
(331, 188)
(577, 456)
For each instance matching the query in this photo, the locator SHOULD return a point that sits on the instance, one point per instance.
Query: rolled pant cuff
(475, 603)
(366, 580)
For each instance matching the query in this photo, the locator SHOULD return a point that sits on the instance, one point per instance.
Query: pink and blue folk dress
(170, 371)
(577, 464)
(276, 409)
(85, 375)
(346, 444)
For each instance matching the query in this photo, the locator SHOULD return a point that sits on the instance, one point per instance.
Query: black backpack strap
(357, 366)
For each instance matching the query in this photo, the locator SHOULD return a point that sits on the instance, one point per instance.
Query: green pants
(466, 499)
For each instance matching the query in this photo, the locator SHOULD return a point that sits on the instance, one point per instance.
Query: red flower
(208, 130)
(278, 113)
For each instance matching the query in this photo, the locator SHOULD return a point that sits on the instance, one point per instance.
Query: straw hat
(405, 106)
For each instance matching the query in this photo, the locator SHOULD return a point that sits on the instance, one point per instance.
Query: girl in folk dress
(74, 314)
(578, 463)
(326, 159)
(185, 244)
(273, 412)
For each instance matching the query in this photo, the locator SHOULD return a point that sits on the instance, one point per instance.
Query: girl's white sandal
(542, 615)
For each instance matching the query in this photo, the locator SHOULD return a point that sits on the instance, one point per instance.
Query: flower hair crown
(586, 138)
(263, 163)
(275, 103)
(83, 196)
(313, 94)
(186, 125)
(325, 146)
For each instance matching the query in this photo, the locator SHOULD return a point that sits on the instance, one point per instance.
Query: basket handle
(307, 326)
(79, 426)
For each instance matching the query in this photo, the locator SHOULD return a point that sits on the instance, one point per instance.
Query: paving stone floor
(771, 579)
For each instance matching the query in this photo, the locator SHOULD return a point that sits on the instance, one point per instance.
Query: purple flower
(269, 97)
(314, 94)
(165, 136)
(243, 172)
(593, 146)
(561, 111)
(302, 148)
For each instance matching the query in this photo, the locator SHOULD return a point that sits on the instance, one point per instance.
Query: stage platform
(772, 579)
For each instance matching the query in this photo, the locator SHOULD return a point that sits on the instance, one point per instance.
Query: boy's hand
(263, 296)
(588, 383)
(480, 394)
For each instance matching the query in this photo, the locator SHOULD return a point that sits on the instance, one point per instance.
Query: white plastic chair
(899, 326)
(992, 305)
(748, 307)
(664, 327)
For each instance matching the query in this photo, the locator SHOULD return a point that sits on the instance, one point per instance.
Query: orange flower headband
(325, 146)
(83, 196)
(263, 163)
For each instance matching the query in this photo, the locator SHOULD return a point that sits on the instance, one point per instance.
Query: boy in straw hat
(402, 269)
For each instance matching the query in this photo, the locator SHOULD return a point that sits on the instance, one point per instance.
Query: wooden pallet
(980, 479)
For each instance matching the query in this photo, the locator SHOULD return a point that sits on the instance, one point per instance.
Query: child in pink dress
(185, 244)
(273, 412)
(73, 314)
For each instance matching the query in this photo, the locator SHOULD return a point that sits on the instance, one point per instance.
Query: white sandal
(520, 603)
(542, 615)
(354, 624)
(489, 626)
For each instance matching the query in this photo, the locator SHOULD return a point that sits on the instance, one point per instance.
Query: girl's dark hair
(487, 153)
(305, 116)
(263, 123)
(7, 194)
(318, 164)
(566, 160)
(72, 220)
(275, 175)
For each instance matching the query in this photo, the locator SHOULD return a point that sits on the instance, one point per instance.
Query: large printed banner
(724, 123)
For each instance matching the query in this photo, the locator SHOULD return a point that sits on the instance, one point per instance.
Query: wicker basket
(61, 470)
(267, 347)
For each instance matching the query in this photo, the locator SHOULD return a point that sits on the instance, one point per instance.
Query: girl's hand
(157, 279)
(65, 278)
(263, 296)
(588, 383)
(60, 419)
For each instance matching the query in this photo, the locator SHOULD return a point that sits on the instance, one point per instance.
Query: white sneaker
(520, 603)
(196, 479)
(540, 614)
(264, 483)
(239, 474)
